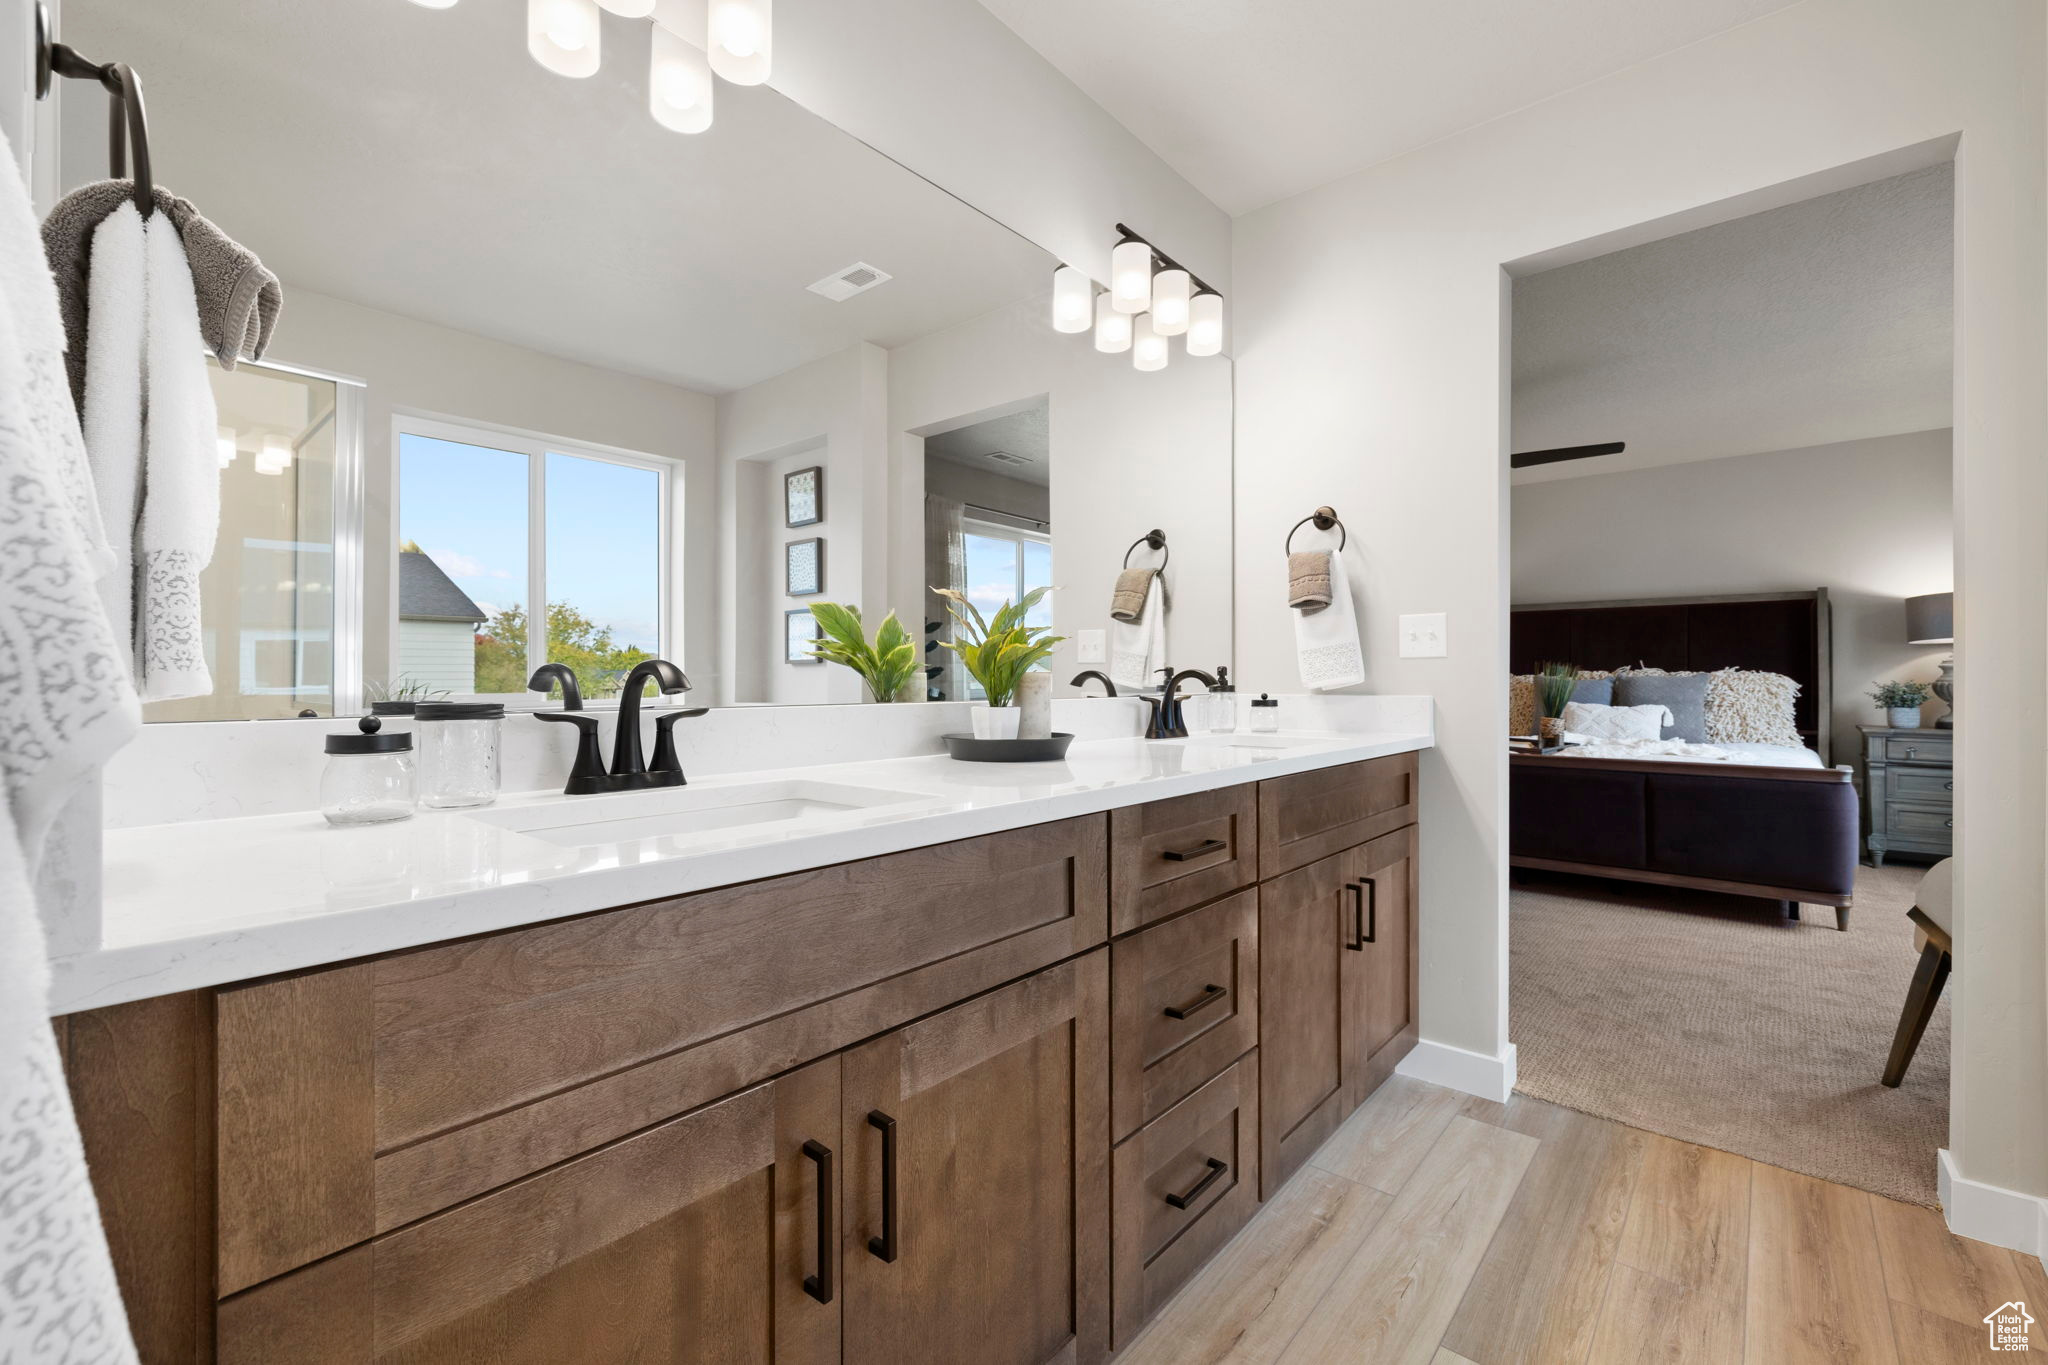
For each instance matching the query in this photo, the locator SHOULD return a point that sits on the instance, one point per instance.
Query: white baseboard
(1475, 1073)
(1991, 1213)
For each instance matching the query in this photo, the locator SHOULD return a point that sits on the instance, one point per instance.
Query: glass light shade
(1148, 348)
(562, 35)
(1130, 277)
(1205, 324)
(224, 444)
(1170, 302)
(1073, 300)
(742, 39)
(274, 456)
(629, 9)
(1112, 329)
(679, 84)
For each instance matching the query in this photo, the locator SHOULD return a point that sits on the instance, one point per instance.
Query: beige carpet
(1710, 1019)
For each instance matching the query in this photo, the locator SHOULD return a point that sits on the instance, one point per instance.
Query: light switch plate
(1091, 646)
(1425, 636)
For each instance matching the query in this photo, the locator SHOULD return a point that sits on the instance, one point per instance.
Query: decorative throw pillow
(1745, 707)
(1615, 722)
(1594, 691)
(1685, 694)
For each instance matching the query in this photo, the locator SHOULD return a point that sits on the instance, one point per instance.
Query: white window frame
(537, 446)
(1015, 528)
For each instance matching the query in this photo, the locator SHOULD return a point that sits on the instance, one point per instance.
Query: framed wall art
(803, 567)
(803, 496)
(799, 633)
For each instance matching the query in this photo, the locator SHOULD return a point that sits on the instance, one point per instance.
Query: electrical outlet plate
(1425, 636)
(1091, 646)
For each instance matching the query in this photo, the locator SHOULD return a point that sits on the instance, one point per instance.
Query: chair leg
(1842, 918)
(1928, 978)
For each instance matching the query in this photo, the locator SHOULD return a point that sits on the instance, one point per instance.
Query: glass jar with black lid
(458, 752)
(369, 776)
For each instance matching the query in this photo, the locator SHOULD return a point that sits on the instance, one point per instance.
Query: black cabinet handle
(819, 1286)
(1356, 944)
(1950, 823)
(1209, 996)
(1369, 932)
(1948, 786)
(1201, 850)
(885, 1245)
(1216, 1170)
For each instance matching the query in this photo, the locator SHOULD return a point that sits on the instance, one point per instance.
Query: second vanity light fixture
(565, 36)
(1151, 297)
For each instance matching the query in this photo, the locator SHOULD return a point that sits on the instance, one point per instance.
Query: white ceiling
(1256, 100)
(1822, 321)
(1026, 433)
(419, 161)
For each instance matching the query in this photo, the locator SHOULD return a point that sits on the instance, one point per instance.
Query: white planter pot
(996, 722)
(1905, 717)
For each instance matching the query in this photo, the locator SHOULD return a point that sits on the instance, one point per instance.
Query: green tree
(573, 639)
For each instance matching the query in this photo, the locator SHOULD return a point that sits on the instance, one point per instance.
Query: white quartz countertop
(204, 903)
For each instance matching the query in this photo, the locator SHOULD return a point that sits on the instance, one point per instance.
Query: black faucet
(1081, 680)
(587, 777)
(1167, 722)
(629, 769)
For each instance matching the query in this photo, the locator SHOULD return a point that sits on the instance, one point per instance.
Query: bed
(1757, 820)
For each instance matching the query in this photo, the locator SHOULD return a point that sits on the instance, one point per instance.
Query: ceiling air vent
(857, 278)
(1005, 457)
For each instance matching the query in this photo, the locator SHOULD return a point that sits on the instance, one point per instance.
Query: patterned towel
(1127, 602)
(1308, 580)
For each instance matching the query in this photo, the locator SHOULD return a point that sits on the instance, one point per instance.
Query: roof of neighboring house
(426, 593)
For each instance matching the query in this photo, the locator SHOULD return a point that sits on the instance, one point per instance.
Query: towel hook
(127, 124)
(1324, 518)
(1154, 539)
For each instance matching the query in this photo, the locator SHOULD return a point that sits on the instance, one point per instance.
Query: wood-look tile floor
(1439, 1229)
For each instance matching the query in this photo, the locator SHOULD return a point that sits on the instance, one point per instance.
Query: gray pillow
(1686, 696)
(1594, 691)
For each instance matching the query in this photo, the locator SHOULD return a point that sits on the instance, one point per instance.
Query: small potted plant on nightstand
(1554, 684)
(1901, 702)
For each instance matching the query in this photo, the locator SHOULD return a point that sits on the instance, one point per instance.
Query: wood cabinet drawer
(1165, 856)
(1312, 815)
(1931, 749)
(1184, 1185)
(356, 1099)
(1921, 788)
(1908, 823)
(1184, 1001)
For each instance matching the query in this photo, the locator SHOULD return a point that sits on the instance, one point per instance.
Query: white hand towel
(1136, 648)
(150, 426)
(1326, 642)
(65, 706)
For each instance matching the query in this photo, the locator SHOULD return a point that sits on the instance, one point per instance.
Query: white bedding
(1682, 751)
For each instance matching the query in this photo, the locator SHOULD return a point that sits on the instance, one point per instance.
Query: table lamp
(1930, 620)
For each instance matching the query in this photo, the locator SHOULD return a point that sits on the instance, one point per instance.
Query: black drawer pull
(1948, 786)
(1216, 1170)
(1201, 850)
(1354, 937)
(1209, 996)
(1369, 932)
(885, 1245)
(819, 1286)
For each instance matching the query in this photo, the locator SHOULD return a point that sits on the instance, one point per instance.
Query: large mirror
(552, 382)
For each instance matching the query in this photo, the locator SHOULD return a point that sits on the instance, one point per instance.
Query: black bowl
(971, 750)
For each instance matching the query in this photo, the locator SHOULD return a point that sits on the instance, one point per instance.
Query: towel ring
(127, 124)
(1324, 518)
(1155, 540)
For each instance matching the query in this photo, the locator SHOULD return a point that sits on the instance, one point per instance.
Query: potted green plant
(886, 664)
(399, 696)
(1901, 702)
(1554, 684)
(997, 652)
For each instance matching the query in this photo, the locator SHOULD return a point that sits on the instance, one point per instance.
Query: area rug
(1710, 1019)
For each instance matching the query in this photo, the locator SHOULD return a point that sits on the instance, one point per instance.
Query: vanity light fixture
(679, 84)
(224, 444)
(1205, 323)
(1148, 348)
(564, 35)
(1112, 328)
(274, 456)
(1073, 300)
(629, 9)
(742, 39)
(1130, 275)
(1170, 291)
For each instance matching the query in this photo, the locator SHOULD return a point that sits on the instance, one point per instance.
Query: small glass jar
(1219, 713)
(458, 752)
(1265, 715)
(369, 776)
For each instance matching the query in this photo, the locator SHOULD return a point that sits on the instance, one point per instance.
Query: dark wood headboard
(1777, 632)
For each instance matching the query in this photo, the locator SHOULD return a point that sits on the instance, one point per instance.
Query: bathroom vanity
(993, 1096)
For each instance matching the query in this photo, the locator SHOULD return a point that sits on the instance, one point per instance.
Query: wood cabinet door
(976, 1186)
(1385, 868)
(1311, 1013)
(697, 1241)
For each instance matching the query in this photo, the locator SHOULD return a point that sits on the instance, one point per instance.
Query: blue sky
(466, 506)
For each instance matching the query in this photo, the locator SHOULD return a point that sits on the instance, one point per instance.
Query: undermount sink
(683, 812)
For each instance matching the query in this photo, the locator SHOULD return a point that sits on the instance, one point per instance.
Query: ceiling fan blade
(1530, 458)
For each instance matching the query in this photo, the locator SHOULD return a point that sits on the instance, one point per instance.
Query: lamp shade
(1930, 619)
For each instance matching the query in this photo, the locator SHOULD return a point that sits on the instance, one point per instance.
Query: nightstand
(1909, 791)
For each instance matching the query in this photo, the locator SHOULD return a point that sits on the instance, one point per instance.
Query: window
(1004, 563)
(280, 599)
(491, 523)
